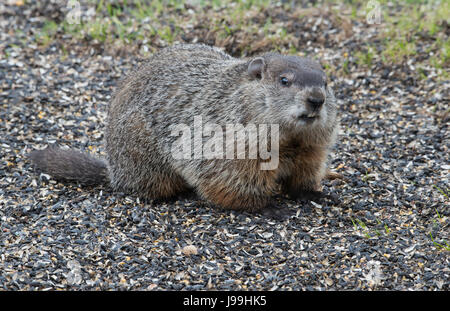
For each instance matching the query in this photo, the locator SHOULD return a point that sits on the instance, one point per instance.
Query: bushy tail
(71, 165)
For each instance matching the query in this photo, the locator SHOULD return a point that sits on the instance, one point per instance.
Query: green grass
(418, 20)
(440, 246)
(401, 31)
(443, 192)
(398, 49)
(46, 35)
(365, 58)
(369, 232)
(398, 39)
(359, 225)
(440, 220)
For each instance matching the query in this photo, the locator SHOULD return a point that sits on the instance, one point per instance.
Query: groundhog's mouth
(308, 117)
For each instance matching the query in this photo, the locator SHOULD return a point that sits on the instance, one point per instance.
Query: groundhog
(184, 82)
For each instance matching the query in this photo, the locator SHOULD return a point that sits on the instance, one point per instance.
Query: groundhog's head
(295, 90)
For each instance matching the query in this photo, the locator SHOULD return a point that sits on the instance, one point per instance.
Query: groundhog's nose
(315, 99)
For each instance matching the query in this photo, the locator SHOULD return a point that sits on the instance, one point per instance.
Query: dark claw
(316, 196)
(308, 195)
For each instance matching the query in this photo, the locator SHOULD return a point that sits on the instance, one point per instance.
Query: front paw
(276, 212)
(308, 195)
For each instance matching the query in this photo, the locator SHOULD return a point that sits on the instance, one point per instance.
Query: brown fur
(245, 187)
(184, 81)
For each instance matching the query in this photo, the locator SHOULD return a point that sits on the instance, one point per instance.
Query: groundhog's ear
(256, 68)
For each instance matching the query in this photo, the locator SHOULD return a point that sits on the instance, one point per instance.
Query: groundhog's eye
(284, 81)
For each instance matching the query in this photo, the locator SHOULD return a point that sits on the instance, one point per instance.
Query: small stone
(73, 278)
(189, 250)
(152, 286)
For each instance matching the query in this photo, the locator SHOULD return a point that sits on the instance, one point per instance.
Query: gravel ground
(388, 230)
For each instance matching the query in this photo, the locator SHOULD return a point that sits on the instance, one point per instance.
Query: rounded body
(196, 91)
